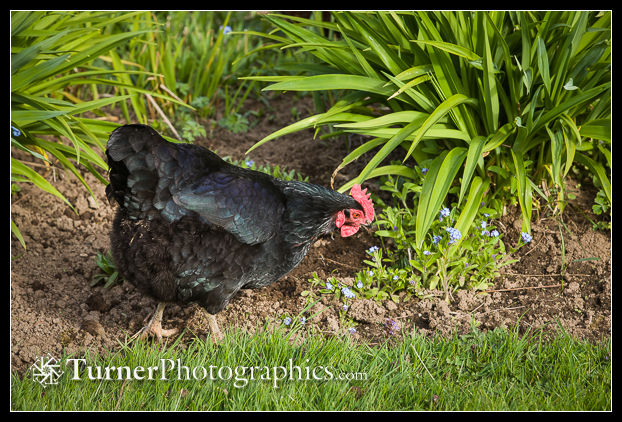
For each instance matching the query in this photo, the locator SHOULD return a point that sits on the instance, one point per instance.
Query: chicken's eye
(356, 214)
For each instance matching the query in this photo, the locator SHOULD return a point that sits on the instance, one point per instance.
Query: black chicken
(191, 227)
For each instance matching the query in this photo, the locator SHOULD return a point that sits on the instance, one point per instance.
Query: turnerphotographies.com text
(174, 369)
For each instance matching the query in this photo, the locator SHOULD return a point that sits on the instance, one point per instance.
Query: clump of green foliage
(51, 67)
(60, 85)
(197, 57)
(506, 100)
(454, 255)
(108, 271)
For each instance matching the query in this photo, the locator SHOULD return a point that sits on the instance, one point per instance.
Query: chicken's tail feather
(132, 172)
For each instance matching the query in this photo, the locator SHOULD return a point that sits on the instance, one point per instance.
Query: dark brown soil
(54, 309)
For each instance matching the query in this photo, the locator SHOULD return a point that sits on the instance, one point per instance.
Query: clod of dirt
(367, 311)
(93, 327)
(98, 302)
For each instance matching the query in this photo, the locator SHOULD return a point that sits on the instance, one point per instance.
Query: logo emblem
(46, 370)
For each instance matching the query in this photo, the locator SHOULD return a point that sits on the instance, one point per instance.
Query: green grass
(498, 370)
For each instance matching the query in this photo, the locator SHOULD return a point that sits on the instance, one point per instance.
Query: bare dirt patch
(54, 309)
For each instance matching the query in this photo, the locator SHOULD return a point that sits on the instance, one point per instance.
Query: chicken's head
(349, 220)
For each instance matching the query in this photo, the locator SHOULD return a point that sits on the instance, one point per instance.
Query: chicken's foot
(154, 326)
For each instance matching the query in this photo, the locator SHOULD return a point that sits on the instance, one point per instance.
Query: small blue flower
(526, 237)
(329, 286)
(348, 293)
(486, 215)
(372, 250)
(359, 285)
(395, 228)
(436, 239)
(287, 320)
(371, 273)
(16, 131)
(226, 30)
(249, 163)
(303, 320)
(426, 253)
(485, 233)
(444, 213)
(352, 330)
(392, 325)
(494, 233)
(483, 225)
(424, 170)
(412, 282)
(395, 278)
(345, 307)
(454, 234)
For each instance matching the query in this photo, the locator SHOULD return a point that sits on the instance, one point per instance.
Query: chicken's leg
(154, 326)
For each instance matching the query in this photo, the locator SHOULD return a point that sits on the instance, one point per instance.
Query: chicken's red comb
(363, 198)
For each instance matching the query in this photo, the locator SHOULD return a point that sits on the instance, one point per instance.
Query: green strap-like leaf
(348, 102)
(391, 144)
(524, 190)
(438, 131)
(500, 136)
(25, 56)
(556, 156)
(330, 82)
(473, 154)
(17, 234)
(443, 108)
(438, 180)
(406, 116)
(17, 167)
(490, 94)
(390, 60)
(568, 104)
(366, 147)
(451, 48)
(474, 200)
(598, 169)
(394, 169)
(25, 117)
(597, 129)
(543, 64)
